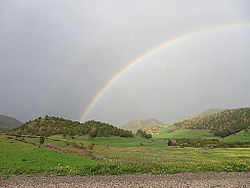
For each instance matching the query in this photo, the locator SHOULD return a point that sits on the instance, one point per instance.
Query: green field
(186, 133)
(114, 155)
(242, 136)
(119, 141)
(21, 158)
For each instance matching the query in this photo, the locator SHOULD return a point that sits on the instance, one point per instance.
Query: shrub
(143, 134)
(41, 140)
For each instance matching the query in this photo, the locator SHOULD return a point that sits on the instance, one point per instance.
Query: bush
(143, 134)
(41, 140)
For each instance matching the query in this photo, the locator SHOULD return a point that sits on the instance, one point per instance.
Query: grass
(166, 129)
(116, 155)
(174, 155)
(119, 141)
(243, 136)
(21, 158)
(186, 133)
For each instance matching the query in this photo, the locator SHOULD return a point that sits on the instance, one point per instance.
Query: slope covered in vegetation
(7, 122)
(48, 126)
(242, 136)
(185, 133)
(222, 124)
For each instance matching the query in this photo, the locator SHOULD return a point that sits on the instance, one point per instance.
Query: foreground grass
(21, 158)
(173, 155)
(128, 158)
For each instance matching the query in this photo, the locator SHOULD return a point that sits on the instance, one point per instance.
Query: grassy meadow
(242, 136)
(113, 155)
(21, 158)
(186, 133)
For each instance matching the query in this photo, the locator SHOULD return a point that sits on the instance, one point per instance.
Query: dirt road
(186, 180)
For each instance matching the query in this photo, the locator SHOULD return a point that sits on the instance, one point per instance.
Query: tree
(41, 140)
(64, 135)
(143, 134)
(93, 133)
(169, 143)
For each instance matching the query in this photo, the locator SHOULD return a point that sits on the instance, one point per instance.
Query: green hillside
(147, 125)
(186, 133)
(48, 126)
(242, 136)
(223, 124)
(7, 122)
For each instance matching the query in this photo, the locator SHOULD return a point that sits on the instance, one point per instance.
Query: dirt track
(187, 180)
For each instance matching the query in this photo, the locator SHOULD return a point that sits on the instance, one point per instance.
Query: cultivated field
(113, 155)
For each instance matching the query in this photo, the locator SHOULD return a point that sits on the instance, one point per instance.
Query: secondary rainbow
(139, 59)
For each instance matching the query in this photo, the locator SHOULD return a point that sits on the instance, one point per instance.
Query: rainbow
(148, 53)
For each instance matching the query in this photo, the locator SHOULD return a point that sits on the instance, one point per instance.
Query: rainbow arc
(148, 53)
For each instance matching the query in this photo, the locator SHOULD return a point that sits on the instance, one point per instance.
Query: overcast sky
(56, 54)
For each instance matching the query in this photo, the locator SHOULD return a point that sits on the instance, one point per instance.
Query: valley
(55, 146)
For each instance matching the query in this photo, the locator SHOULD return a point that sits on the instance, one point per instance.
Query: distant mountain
(8, 122)
(222, 124)
(143, 124)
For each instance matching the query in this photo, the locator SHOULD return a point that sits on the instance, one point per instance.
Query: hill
(48, 126)
(222, 124)
(7, 122)
(146, 125)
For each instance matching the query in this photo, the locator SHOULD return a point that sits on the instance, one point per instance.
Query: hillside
(185, 133)
(242, 136)
(8, 122)
(48, 126)
(143, 124)
(222, 124)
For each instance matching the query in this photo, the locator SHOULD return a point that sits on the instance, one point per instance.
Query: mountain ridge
(7, 122)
